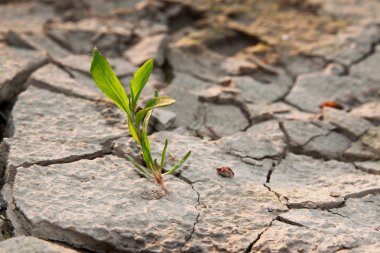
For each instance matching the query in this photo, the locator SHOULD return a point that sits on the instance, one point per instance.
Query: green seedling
(138, 118)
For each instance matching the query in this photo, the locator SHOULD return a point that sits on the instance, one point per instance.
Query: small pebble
(334, 194)
(225, 172)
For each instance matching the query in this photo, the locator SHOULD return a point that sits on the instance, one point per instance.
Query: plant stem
(160, 181)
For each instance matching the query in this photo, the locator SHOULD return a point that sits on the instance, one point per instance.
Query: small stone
(334, 69)
(335, 194)
(225, 172)
(252, 161)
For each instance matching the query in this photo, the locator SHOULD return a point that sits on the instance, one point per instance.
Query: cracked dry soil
(249, 78)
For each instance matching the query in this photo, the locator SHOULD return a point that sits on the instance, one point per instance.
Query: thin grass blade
(155, 166)
(163, 155)
(132, 130)
(138, 166)
(178, 164)
(145, 141)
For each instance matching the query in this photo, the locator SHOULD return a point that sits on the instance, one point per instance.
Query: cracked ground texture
(249, 78)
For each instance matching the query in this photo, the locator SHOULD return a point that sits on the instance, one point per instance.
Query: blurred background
(220, 59)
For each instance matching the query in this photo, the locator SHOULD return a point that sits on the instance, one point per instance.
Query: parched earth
(249, 78)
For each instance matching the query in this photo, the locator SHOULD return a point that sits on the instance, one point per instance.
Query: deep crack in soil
(213, 33)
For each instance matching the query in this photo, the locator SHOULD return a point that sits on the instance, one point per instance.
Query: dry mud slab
(29, 244)
(249, 80)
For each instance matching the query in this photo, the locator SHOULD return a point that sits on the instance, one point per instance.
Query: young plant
(138, 118)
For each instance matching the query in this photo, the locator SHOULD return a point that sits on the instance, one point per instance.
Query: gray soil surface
(286, 93)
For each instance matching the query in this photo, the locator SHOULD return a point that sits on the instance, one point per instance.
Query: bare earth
(249, 78)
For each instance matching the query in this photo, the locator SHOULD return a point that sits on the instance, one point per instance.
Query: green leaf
(163, 155)
(145, 142)
(139, 81)
(107, 81)
(132, 130)
(155, 166)
(151, 104)
(138, 166)
(179, 164)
